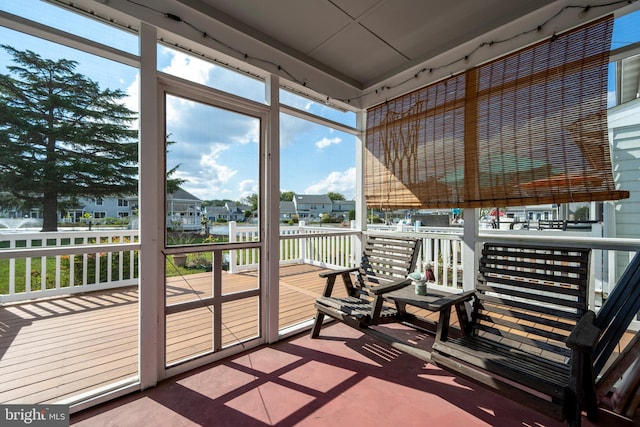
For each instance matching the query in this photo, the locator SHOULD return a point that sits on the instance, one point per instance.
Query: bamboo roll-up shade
(529, 128)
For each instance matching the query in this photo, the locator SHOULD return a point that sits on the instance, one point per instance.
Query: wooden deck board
(53, 349)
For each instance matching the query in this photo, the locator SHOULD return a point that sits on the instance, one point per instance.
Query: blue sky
(218, 157)
(217, 150)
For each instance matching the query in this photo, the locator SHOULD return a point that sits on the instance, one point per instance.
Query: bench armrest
(389, 287)
(326, 274)
(450, 300)
(330, 280)
(585, 335)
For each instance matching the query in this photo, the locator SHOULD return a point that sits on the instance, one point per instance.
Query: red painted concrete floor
(343, 378)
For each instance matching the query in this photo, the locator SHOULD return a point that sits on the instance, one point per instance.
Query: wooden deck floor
(57, 349)
(54, 349)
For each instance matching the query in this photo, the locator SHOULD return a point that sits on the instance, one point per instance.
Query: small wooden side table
(435, 301)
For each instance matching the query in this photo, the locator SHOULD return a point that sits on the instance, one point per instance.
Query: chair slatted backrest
(552, 224)
(531, 296)
(617, 312)
(387, 259)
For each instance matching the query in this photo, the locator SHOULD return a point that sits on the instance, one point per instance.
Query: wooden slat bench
(386, 262)
(530, 336)
(527, 301)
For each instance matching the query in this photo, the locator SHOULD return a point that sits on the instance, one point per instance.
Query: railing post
(302, 242)
(596, 274)
(233, 254)
(27, 271)
(470, 256)
(12, 269)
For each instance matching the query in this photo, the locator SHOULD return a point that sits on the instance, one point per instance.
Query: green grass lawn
(36, 271)
(197, 262)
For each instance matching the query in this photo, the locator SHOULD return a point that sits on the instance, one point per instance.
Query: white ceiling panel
(355, 49)
(301, 25)
(366, 40)
(344, 52)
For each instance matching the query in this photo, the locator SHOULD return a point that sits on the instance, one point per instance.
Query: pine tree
(62, 137)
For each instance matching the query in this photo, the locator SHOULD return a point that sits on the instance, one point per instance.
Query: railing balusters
(57, 263)
(43, 273)
(72, 270)
(85, 264)
(321, 246)
(58, 242)
(109, 266)
(47, 278)
(12, 270)
(27, 270)
(97, 269)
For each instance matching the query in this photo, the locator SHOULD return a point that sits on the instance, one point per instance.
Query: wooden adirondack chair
(387, 260)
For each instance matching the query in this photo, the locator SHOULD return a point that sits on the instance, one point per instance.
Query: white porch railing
(39, 265)
(330, 247)
(321, 246)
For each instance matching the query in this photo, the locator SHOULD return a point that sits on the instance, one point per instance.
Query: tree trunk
(50, 212)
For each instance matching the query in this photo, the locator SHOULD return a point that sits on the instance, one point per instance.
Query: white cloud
(188, 67)
(208, 181)
(212, 169)
(251, 132)
(291, 128)
(131, 101)
(247, 187)
(175, 108)
(339, 182)
(325, 142)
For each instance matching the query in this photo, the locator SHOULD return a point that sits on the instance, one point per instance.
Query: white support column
(151, 189)
(361, 203)
(270, 256)
(597, 274)
(469, 245)
(609, 230)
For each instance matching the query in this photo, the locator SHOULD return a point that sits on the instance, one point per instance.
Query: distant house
(183, 208)
(312, 206)
(533, 213)
(624, 136)
(229, 212)
(236, 211)
(181, 205)
(15, 213)
(98, 209)
(341, 208)
(287, 210)
(217, 213)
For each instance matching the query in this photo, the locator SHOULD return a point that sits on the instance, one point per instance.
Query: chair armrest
(389, 287)
(450, 300)
(337, 272)
(585, 335)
